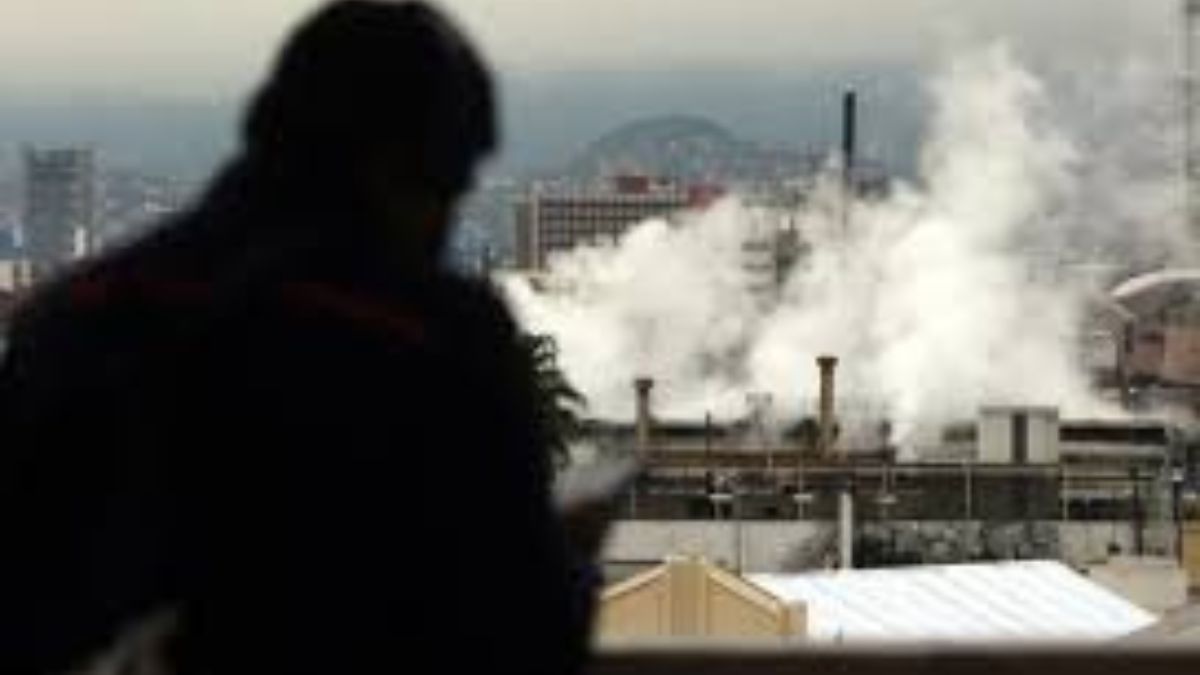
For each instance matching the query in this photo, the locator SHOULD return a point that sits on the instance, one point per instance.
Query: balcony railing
(710, 659)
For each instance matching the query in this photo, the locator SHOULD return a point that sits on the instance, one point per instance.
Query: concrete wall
(1089, 543)
(792, 546)
(1155, 584)
(750, 546)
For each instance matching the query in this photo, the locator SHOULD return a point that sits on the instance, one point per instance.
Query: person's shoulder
(84, 296)
(476, 301)
(55, 304)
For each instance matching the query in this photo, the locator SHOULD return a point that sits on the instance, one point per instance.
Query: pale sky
(198, 48)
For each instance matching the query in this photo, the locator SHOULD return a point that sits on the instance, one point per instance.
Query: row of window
(562, 242)
(640, 208)
(587, 227)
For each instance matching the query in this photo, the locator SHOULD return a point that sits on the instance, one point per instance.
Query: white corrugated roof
(1002, 602)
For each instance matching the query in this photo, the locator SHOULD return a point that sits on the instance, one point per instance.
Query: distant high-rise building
(61, 206)
(554, 220)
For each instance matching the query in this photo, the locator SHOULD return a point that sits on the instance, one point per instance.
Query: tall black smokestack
(849, 149)
(849, 132)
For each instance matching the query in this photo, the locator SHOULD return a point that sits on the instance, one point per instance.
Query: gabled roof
(687, 597)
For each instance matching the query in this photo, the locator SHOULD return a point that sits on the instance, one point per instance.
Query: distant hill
(553, 121)
(681, 146)
(661, 131)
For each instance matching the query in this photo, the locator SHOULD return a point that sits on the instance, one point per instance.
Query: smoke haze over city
(1049, 150)
(965, 291)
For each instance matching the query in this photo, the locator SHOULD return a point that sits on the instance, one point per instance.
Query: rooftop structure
(689, 598)
(1016, 602)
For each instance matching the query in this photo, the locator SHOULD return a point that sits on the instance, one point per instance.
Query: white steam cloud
(937, 299)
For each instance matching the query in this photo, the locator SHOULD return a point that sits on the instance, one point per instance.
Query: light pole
(1176, 512)
(887, 494)
(1139, 541)
(1064, 496)
(968, 491)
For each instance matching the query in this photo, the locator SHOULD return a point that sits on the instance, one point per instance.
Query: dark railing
(734, 660)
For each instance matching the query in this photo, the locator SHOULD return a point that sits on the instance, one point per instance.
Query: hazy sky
(207, 47)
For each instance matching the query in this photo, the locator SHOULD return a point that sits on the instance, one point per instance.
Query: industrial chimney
(825, 418)
(849, 157)
(849, 132)
(643, 387)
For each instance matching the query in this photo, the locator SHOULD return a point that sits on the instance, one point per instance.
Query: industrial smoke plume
(938, 299)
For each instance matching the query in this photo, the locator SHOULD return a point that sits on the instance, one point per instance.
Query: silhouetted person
(277, 419)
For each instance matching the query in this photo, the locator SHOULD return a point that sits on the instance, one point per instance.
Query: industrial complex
(1019, 494)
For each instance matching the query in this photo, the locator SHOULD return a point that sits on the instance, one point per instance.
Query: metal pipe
(1177, 478)
(969, 489)
(846, 529)
(1063, 488)
(709, 480)
(1139, 535)
(696, 457)
(736, 508)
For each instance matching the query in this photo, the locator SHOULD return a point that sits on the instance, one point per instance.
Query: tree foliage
(559, 406)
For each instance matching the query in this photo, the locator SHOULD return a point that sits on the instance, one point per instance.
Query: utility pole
(1177, 479)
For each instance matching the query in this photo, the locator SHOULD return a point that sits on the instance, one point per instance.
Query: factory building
(1016, 482)
(1010, 463)
(553, 219)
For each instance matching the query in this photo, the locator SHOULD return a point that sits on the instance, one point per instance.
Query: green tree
(559, 407)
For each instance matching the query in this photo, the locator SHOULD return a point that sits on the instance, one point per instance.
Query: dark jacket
(320, 460)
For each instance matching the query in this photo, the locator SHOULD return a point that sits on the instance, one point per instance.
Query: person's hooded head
(385, 99)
